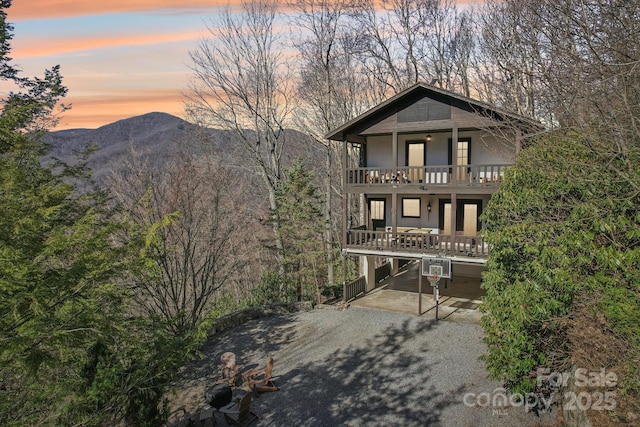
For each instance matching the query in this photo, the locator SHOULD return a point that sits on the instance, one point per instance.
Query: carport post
(420, 291)
(436, 293)
(344, 275)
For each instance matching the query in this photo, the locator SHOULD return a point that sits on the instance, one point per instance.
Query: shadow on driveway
(357, 367)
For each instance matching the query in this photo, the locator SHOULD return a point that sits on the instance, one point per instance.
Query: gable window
(411, 208)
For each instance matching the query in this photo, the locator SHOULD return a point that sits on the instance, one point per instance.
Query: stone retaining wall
(239, 317)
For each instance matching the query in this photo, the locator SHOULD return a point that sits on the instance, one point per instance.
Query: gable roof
(338, 133)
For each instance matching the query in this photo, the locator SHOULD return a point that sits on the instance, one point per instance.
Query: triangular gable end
(426, 107)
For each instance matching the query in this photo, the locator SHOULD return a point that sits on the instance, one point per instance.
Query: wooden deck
(416, 242)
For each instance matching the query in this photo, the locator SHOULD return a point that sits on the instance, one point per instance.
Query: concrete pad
(449, 308)
(460, 299)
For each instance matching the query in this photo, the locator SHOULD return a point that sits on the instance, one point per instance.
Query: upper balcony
(420, 177)
(427, 138)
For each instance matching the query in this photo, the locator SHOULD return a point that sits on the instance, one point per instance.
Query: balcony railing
(412, 242)
(481, 174)
(486, 175)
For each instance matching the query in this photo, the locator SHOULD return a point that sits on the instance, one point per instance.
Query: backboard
(439, 266)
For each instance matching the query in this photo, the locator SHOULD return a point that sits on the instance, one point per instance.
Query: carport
(460, 298)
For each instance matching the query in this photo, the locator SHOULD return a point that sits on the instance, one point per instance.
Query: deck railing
(354, 288)
(472, 246)
(481, 174)
(489, 174)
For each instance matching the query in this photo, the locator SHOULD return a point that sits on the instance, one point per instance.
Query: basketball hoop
(433, 279)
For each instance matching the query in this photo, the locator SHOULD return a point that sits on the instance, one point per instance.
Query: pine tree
(57, 259)
(302, 223)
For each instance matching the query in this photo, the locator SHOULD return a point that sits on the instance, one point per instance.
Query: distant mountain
(158, 136)
(152, 134)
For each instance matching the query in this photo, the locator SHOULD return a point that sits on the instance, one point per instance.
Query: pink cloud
(33, 9)
(35, 47)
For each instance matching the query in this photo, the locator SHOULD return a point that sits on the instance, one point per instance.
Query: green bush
(561, 230)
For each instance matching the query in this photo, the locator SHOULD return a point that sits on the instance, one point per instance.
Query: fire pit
(218, 396)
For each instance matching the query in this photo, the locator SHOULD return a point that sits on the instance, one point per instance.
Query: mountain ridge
(157, 115)
(159, 136)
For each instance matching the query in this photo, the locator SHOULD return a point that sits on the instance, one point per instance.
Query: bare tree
(462, 47)
(332, 90)
(512, 53)
(401, 42)
(436, 31)
(570, 64)
(241, 83)
(189, 218)
(593, 77)
(388, 40)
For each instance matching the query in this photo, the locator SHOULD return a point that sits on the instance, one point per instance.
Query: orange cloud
(54, 46)
(34, 9)
(98, 110)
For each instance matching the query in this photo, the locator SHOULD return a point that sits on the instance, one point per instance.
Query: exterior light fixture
(429, 206)
(428, 138)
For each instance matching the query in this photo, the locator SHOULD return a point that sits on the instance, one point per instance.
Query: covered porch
(407, 178)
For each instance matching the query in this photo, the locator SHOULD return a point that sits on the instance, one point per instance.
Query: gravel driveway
(361, 367)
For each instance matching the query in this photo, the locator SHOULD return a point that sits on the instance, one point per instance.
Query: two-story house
(419, 170)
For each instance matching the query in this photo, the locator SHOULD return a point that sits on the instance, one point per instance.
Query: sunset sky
(118, 58)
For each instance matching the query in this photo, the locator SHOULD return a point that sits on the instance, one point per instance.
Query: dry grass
(594, 346)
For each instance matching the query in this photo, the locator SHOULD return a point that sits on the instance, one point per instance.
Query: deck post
(454, 154)
(454, 224)
(345, 195)
(420, 288)
(395, 262)
(394, 150)
(369, 271)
